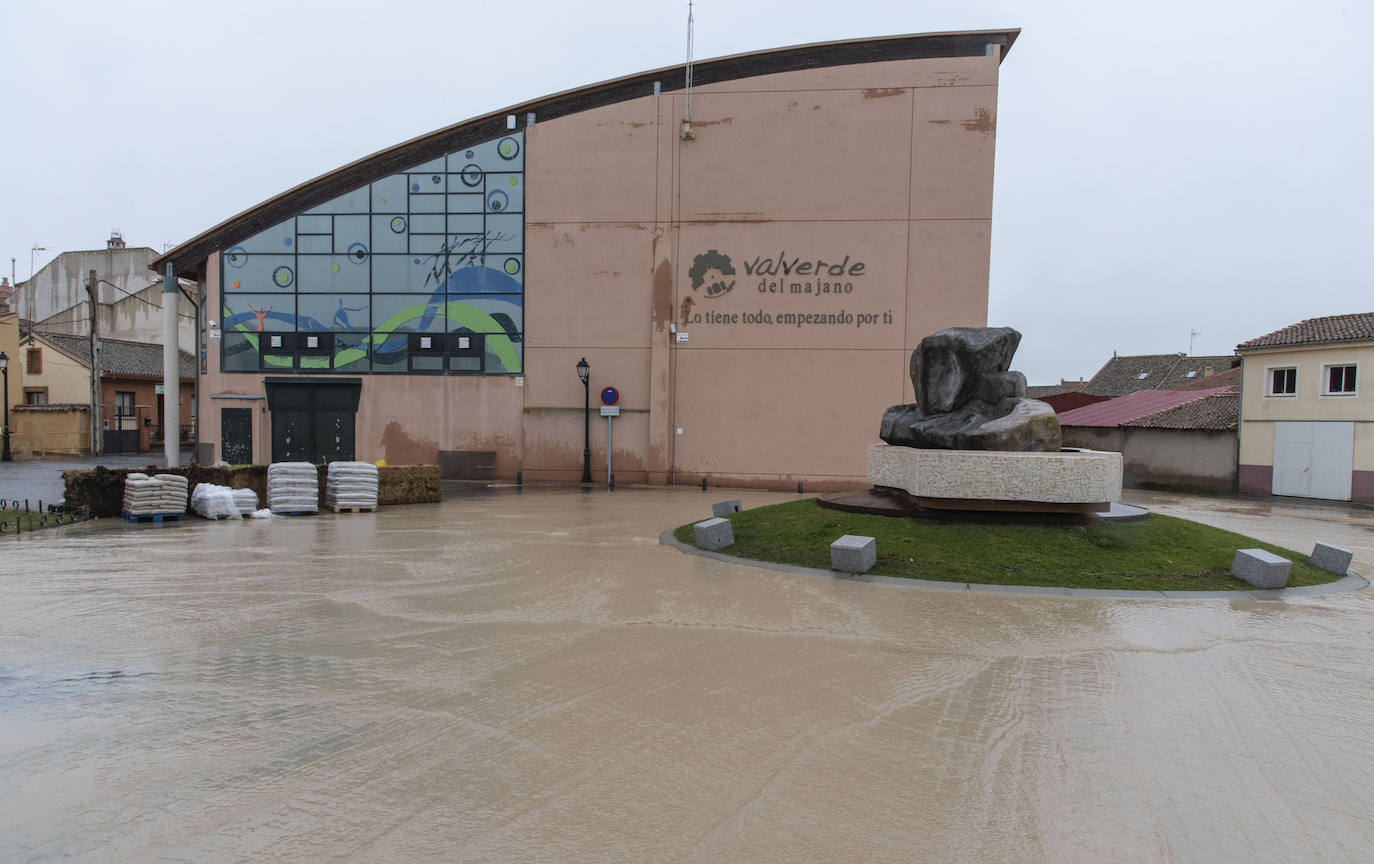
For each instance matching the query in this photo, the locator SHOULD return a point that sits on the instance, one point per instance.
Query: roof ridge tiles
(1350, 327)
(1131, 407)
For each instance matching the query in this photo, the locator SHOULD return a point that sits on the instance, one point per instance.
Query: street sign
(610, 410)
(609, 396)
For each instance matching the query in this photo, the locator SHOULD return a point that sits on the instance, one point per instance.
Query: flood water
(514, 678)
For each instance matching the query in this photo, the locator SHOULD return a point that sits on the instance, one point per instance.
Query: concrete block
(725, 508)
(1078, 477)
(1332, 559)
(1261, 569)
(713, 534)
(853, 554)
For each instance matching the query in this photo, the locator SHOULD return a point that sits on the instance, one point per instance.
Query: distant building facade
(55, 299)
(751, 278)
(1307, 418)
(1131, 373)
(134, 414)
(1180, 438)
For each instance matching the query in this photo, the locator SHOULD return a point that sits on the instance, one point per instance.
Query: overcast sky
(1161, 167)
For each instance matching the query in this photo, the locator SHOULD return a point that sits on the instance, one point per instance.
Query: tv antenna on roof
(687, 133)
(1191, 335)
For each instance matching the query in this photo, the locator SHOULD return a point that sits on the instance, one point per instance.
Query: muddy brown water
(533, 678)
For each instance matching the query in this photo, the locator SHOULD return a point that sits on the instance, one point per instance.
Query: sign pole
(609, 409)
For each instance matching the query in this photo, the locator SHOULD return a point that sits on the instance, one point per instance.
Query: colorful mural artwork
(436, 249)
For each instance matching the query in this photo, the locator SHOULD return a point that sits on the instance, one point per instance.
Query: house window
(1340, 380)
(1283, 381)
(124, 403)
(36, 396)
(35, 361)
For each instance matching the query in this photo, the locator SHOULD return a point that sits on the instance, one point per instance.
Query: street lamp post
(5, 371)
(584, 371)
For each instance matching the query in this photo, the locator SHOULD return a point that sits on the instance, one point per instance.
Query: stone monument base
(1066, 481)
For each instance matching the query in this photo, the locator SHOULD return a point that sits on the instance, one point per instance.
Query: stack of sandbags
(293, 487)
(213, 501)
(151, 496)
(351, 485)
(246, 501)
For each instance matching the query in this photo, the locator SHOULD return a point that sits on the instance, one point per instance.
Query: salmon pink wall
(757, 286)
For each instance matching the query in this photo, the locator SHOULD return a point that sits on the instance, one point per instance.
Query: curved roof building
(750, 278)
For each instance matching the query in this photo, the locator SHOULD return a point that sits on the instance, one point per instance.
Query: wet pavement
(1293, 523)
(531, 677)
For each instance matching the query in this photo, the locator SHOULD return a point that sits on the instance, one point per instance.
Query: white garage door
(1313, 459)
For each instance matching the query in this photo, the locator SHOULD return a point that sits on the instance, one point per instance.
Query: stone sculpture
(966, 399)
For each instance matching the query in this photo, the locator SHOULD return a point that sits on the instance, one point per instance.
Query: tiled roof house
(119, 357)
(1131, 373)
(1307, 410)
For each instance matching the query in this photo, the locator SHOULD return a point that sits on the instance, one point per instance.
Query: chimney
(116, 241)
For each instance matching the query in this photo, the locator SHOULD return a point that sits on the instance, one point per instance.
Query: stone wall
(1184, 459)
(44, 430)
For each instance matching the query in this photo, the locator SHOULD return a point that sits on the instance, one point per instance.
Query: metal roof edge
(188, 257)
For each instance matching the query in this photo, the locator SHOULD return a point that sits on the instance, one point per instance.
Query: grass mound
(1161, 553)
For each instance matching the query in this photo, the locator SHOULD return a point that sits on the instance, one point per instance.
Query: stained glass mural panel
(438, 247)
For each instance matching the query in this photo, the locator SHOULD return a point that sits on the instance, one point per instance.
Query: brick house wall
(146, 401)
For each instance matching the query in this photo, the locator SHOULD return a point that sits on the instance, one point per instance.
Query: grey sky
(1160, 168)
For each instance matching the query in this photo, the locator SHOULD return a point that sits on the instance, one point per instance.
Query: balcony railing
(184, 433)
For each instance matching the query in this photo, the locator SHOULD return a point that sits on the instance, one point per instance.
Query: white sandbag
(293, 487)
(246, 500)
(213, 501)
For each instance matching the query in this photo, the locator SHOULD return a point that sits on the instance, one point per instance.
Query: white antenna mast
(1191, 335)
(687, 133)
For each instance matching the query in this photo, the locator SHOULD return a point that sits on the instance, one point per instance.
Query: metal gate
(120, 441)
(1313, 459)
(313, 420)
(236, 435)
(123, 438)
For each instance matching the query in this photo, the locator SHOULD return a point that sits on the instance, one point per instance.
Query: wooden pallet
(351, 509)
(295, 512)
(156, 518)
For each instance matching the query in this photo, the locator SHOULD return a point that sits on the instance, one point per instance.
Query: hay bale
(408, 484)
(248, 477)
(99, 488)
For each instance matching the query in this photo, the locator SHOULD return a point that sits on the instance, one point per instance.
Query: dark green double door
(313, 420)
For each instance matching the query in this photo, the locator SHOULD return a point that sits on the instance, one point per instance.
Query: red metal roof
(1133, 406)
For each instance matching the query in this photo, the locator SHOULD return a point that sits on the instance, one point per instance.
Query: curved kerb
(1351, 581)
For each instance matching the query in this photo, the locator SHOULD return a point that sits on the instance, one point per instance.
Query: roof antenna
(687, 134)
(1191, 335)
